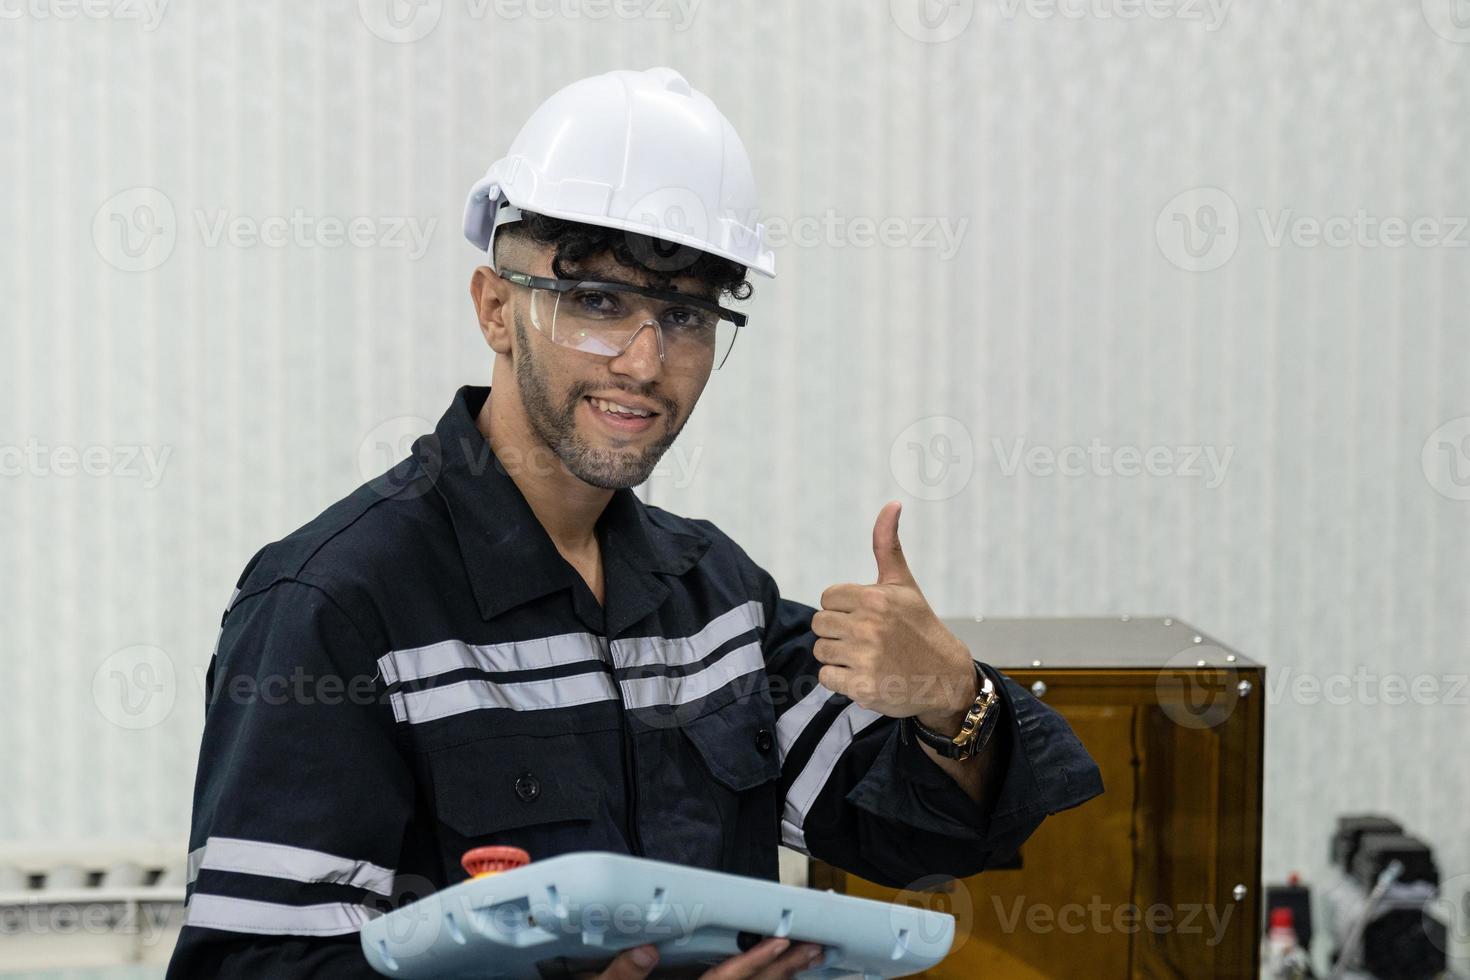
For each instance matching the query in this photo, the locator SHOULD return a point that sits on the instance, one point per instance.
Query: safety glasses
(604, 318)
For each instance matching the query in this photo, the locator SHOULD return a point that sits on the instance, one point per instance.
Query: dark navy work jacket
(418, 671)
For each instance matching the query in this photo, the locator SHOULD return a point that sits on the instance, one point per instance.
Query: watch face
(984, 723)
(974, 732)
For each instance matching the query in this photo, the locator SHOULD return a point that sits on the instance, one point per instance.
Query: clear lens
(604, 323)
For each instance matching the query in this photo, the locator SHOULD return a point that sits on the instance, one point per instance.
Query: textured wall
(219, 390)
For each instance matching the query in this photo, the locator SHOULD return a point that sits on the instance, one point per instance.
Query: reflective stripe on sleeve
(796, 718)
(814, 775)
(285, 861)
(272, 919)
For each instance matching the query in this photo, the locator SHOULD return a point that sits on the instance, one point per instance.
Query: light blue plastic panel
(587, 907)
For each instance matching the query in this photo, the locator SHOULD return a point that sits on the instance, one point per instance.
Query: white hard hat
(639, 151)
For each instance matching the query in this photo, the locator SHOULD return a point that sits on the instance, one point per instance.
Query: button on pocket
(528, 787)
(546, 794)
(497, 784)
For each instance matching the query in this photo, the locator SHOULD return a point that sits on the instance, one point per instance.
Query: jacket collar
(509, 557)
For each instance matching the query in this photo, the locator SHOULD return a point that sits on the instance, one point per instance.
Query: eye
(687, 319)
(592, 302)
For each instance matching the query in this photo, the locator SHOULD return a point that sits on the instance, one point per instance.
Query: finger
(842, 598)
(835, 652)
(631, 964)
(832, 625)
(835, 679)
(750, 962)
(800, 957)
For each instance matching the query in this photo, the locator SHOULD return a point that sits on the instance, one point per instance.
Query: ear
(492, 295)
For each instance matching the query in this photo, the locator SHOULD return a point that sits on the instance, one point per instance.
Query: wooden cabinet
(1160, 876)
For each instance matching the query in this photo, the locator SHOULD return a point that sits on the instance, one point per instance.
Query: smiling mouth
(620, 418)
(611, 407)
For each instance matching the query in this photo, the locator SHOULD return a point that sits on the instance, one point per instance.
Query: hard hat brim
(484, 203)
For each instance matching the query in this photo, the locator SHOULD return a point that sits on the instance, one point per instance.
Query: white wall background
(272, 376)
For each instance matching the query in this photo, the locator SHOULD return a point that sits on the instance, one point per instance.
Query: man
(497, 642)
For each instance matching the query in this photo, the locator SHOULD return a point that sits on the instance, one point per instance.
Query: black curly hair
(662, 261)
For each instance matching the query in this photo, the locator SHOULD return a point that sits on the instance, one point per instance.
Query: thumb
(892, 568)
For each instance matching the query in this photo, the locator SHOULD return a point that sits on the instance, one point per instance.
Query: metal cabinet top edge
(1099, 642)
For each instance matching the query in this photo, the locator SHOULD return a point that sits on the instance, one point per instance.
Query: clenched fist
(883, 647)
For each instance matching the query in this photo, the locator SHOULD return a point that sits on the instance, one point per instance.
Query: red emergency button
(482, 861)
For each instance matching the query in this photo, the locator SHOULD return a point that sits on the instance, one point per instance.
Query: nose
(641, 360)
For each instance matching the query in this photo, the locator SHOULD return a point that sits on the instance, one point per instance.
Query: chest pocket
(737, 743)
(710, 789)
(546, 794)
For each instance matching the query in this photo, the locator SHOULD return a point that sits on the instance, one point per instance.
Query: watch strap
(977, 729)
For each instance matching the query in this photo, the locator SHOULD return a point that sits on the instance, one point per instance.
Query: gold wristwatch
(975, 732)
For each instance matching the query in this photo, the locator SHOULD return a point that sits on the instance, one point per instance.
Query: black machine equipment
(1379, 908)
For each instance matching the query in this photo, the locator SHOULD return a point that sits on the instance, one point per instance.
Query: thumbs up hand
(883, 647)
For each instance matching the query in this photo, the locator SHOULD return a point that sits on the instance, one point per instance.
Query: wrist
(946, 724)
(959, 693)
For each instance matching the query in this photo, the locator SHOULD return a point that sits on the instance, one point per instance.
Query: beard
(556, 426)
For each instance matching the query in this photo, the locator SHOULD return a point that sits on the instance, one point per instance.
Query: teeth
(616, 409)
